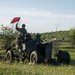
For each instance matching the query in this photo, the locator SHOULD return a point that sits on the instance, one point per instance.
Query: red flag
(16, 19)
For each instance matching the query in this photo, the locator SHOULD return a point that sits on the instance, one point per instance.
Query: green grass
(15, 68)
(38, 69)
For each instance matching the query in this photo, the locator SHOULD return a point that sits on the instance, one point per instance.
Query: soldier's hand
(16, 23)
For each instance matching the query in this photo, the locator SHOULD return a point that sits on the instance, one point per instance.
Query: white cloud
(37, 20)
(33, 12)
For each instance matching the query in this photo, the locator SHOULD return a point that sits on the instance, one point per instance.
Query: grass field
(15, 68)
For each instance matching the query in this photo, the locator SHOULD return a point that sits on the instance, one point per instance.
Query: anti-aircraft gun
(60, 55)
(37, 51)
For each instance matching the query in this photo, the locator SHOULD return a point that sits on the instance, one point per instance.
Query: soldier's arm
(17, 27)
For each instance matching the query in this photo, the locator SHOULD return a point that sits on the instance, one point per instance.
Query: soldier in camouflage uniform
(20, 39)
(38, 39)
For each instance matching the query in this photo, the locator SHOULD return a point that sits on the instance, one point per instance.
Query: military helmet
(23, 25)
(38, 35)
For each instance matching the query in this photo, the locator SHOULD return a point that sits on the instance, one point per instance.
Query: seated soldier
(38, 39)
(21, 37)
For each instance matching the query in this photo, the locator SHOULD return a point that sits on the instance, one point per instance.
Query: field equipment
(36, 52)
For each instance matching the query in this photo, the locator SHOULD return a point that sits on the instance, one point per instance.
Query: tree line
(8, 35)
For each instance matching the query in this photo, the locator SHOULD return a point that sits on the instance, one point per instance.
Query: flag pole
(56, 45)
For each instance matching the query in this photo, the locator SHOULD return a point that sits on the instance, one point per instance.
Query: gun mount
(37, 51)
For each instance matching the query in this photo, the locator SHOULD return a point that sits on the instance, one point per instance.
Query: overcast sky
(39, 15)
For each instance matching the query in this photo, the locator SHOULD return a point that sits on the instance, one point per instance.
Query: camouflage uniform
(38, 39)
(22, 30)
(21, 37)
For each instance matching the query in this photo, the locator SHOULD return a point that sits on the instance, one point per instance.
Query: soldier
(38, 39)
(20, 39)
(22, 30)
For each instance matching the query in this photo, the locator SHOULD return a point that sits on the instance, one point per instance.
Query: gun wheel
(9, 55)
(34, 57)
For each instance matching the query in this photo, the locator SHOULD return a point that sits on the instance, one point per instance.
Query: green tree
(7, 36)
(72, 36)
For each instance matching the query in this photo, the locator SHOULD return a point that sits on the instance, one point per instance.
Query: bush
(7, 36)
(72, 36)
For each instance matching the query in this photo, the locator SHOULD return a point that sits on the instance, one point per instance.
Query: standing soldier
(20, 39)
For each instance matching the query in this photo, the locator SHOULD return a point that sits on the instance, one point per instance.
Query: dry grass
(15, 68)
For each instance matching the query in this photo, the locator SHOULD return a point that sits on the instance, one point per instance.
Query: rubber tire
(34, 57)
(63, 57)
(10, 55)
